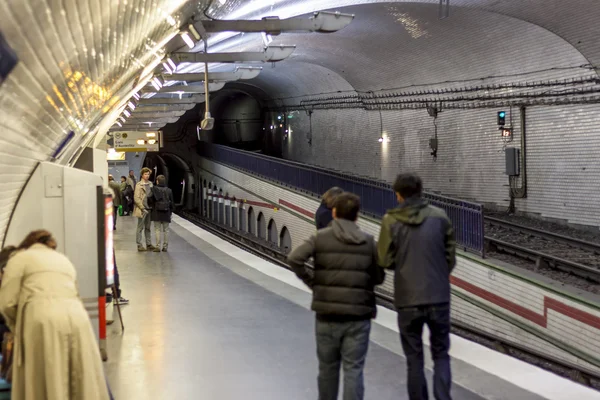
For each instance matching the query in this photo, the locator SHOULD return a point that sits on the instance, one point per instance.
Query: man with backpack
(162, 207)
(417, 241)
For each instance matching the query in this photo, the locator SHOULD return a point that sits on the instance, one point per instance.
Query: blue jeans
(410, 322)
(343, 343)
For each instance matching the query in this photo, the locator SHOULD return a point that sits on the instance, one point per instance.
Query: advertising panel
(108, 240)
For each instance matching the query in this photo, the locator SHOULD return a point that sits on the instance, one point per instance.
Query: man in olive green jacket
(417, 241)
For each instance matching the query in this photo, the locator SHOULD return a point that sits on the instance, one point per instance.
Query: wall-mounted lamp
(384, 139)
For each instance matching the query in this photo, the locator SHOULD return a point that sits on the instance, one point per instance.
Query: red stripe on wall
(538, 319)
(296, 208)
(259, 204)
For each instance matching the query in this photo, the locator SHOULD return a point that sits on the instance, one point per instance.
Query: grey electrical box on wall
(512, 161)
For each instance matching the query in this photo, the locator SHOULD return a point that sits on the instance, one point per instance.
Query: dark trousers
(125, 205)
(410, 322)
(343, 343)
(115, 213)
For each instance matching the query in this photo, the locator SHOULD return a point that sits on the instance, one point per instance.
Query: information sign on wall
(136, 141)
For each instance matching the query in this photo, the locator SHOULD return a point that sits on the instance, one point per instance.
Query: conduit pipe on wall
(521, 192)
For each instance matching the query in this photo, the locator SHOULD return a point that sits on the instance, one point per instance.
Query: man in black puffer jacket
(346, 273)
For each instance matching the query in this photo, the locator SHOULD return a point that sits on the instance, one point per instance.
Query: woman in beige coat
(56, 355)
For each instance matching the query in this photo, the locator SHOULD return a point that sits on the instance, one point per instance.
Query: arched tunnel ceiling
(403, 44)
(573, 20)
(80, 59)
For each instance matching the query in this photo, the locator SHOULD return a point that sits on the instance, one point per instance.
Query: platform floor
(207, 321)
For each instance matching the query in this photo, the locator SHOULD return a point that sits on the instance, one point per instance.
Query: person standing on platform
(117, 198)
(345, 276)
(417, 241)
(141, 210)
(323, 215)
(56, 355)
(162, 207)
(131, 182)
(126, 196)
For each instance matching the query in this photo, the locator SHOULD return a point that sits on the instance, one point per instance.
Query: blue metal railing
(376, 196)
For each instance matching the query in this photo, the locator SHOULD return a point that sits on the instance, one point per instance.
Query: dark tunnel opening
(238, 120)
(176, 176)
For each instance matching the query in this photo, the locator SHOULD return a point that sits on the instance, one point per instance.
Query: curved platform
(209, 321)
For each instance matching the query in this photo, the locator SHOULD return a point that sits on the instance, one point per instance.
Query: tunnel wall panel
(514, 305)
(563, 142)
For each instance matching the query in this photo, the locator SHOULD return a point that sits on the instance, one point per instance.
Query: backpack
(162, 202)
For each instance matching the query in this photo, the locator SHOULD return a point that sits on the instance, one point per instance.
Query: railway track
(273, 254)
(546, 249)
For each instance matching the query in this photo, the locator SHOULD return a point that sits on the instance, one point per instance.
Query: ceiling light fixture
(187, 39)
(172, 64)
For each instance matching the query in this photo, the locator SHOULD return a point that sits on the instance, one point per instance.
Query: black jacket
(346, 271)
(323, 216)
(162, 197)
(417, 241)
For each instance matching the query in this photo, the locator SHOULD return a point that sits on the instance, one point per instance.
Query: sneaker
(156, 250)
(150, 247)
(110, 321)
(122, 301)
(140, 248)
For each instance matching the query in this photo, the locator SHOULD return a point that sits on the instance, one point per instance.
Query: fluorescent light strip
(188, 40)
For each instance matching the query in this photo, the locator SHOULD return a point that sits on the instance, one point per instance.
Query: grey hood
(348, 232)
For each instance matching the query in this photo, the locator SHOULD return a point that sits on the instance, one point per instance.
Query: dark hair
(347, 206)
(5, 255)
(161, 179)
(330, 195)
(123, 177)
(40, 236)
(408, 185)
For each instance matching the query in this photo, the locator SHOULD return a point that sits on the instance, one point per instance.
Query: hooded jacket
(345, 273)
(417, 241)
